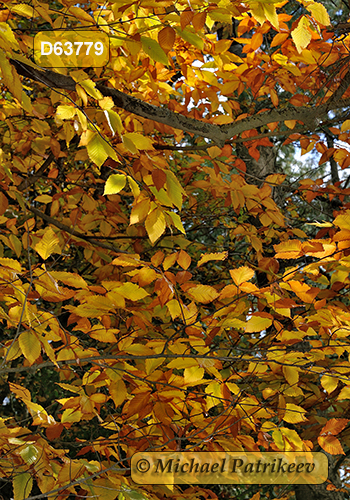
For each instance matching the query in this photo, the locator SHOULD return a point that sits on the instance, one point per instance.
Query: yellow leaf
(15, 244)
(343, 220)
(114, 121)
(203, 293)
(174, 308)
(140, 210)
(319, 13)
(302, 35)
(94, 307)
(294, 414)
(20, 391)
(214, 151)
(258, 322)
(155, 225)
(291, 374)
(190, 312)
(14, 351)
(345, 126)
(106, 489)
(118, 392)
(176, 221)
(169, 260)
(130, 146)
(9, 74)
(83, 119)
(241, 275)
(330, 384)
(98, 149)
(138, 140)
(133, 186)
(257, 11)
(271, 15)
(9, 41)
(44, 198)
(79, 13)
(193, 375)
(288, 249)
(290, 123)
(71, 415)
(132, 291)
(48, 244)
(103, 335)
(212, 256)
(127, 260)
(320, 224)
(25, 10)
(66, 111)
(70, 279)
(10, 263)
(153, 363)
(30, 346)
(275, 179)
(90, 87)
(115, 183)
(344, 393)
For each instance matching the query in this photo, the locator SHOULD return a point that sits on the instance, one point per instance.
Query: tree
(168, 281)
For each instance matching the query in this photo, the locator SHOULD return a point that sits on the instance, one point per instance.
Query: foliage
(155, 292)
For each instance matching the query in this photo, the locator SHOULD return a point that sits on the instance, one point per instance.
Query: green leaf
(174, 189)
(154, 50)
(191, 38)
(22, 486)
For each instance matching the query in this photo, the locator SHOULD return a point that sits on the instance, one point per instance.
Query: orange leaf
(184, 259)
(334, 426)
(331, 445)
(166, 39)
(257, 40)
(288, 249)
(198, 20)
(186, 17)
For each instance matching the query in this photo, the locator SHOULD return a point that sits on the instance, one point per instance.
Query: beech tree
(171, 277)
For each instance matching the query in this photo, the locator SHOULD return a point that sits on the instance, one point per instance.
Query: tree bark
(217, 133)
(319, 491)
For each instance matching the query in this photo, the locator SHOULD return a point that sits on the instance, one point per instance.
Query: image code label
(71, 49)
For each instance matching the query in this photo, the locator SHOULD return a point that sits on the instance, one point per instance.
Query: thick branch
(217, 133)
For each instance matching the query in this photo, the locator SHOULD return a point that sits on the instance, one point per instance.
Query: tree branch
(217, 133)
